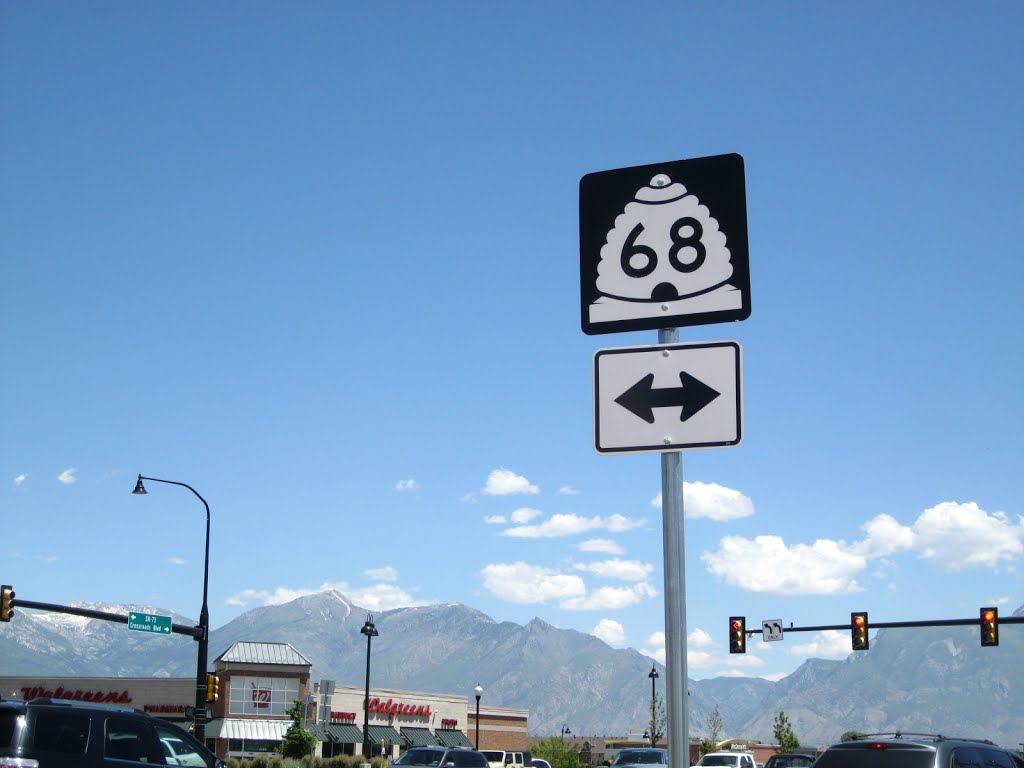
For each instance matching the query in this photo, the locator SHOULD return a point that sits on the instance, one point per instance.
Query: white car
(177, 752)
(727, 760)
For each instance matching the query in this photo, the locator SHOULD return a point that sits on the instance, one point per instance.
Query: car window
(130, 740)
(876, 758)
(59, 731)
(420, 757)
(8, 727)
(995, 758)
(717, 760)
(466, 759)
(180, 749)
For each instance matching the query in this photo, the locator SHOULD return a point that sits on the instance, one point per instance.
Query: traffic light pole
(180, 629)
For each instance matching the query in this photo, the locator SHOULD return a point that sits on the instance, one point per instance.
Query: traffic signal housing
(737, 634)
(212, 687)
(859, 631)
(6, 602)
(989, 626)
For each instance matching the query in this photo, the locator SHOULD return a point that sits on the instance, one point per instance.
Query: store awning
(264, 730)
(452, 738)
(317, 731)
(419, 737)
(385, 732)
(345, 733)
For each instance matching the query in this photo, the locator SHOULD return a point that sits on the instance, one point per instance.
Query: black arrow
(641, 399)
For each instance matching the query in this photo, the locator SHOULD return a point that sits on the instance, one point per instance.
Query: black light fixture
(203, 635)
(479, 691)
(565, 730)
(370, 631)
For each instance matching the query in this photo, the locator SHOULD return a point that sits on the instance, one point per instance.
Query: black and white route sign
(667, 397)
(664, 245)
(771, 630)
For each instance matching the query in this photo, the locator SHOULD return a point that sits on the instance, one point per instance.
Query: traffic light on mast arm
(737, 634)
(859, 631)
(6, 602)
(212, 687)
(989, 626)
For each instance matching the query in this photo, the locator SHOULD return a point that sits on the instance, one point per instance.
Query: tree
(656, 724)
(784, 735)
(714, 726)
(851, 736)
(561, 754)
(298, 742)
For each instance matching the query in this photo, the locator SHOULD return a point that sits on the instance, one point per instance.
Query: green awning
(384, 732)
(317, 731)
(452, 738)
(345, 733)
(419, 737)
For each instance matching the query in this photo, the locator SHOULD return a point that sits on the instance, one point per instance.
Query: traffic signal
(737, 634)
(989, 626)
(859, 631)
(212, 687)
(6, 602)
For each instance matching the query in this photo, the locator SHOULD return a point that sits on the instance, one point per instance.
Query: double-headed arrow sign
(667, 397)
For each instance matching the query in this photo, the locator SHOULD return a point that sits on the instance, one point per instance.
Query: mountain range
(930, 679)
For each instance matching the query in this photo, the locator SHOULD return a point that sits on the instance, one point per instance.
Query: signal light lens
(989, 627)
(859, 631)
(737, 634)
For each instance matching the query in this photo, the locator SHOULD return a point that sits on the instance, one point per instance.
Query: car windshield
(421, 757)
(876, 758)
(791, 761)
(641, 756)
(718, 760)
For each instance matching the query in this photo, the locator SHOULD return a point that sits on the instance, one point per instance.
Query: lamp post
(199, 722)
(479, 691)
(566, 730)
(654, 712)
(370, 631)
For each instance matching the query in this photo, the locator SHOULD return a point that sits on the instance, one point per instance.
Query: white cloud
(610, 598)
(504, 482)
(387, 573)
(177, 560)
(699, 639)
(407, 485)
(20, 479)
(603, 546)
(383, 597)
(523, 583)
(525, 515)
(766, 564)
(568, 490)
(623, 570)
(829, 644)
(265, 597)
(958, 536)
(712, 501)
(379, 597)
(612, 632)
(570, 525)
(885, 536)
(656, 640)
(495, 519)
(67, 477)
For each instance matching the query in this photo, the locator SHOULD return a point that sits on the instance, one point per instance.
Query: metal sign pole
(677, 709)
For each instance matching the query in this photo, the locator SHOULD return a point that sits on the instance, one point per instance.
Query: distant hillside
(936, 680)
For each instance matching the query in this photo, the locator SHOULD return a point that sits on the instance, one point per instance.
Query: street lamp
(566, 730)
(370, 631)
(654, 712)
(479, 691)
(199, 721)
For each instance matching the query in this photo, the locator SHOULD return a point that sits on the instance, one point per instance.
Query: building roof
(244, 652)
(230, 728)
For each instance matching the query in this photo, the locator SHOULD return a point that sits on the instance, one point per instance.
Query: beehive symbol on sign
(665, 250)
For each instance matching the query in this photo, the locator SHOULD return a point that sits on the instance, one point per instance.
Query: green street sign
(149, 622)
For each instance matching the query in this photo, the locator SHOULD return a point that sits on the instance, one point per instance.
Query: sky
(320, 261)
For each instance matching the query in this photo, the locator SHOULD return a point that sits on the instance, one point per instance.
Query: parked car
(540, 763)
(641, 756)
(443, 757)
(501, 758)
(59, 733)
(899, 750)
(727, 760)
(790, 760)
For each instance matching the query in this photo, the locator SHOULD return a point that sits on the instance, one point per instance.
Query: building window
(267, 696)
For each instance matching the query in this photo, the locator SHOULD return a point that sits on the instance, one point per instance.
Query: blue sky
(321, 262)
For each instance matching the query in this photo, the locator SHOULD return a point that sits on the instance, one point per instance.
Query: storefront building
(260, 681)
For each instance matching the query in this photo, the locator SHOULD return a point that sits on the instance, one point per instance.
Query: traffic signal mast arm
(894, 624)
(17, 602)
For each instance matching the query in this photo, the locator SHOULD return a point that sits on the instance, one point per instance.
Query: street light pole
(199, 721)
(479, 691)
(370, 631)
(654, 714)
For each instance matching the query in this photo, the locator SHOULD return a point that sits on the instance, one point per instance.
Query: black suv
(916, 750)
(55, 733)
(441, 757)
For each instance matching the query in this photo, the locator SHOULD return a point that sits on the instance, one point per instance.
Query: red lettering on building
(392, 707)
(350, 716)
(260, 697)
(37, 692)
(449, 723)
(164, 708)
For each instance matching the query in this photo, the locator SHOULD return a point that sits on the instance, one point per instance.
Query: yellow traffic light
(6, 602)
(212, 687)
(859, 631)
(737, 634)
(989, 626)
